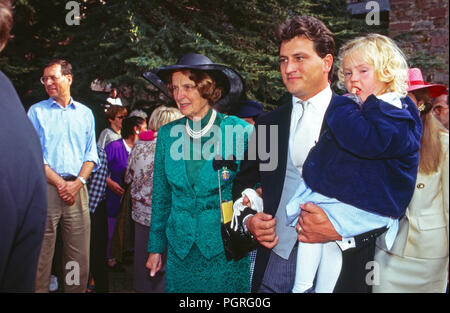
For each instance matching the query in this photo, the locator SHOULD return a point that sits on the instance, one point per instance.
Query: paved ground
(122, 282)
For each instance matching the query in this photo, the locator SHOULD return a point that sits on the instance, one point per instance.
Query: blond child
(362, 171)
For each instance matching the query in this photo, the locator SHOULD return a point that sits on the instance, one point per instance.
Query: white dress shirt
(306, 124)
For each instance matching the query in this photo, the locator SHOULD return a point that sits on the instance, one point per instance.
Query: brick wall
(422, 29)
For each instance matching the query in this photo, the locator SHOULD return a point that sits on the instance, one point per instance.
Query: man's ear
(327, 63)
(70, 78)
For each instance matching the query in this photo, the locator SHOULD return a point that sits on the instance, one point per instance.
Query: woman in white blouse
(418, 261)
(140, 174)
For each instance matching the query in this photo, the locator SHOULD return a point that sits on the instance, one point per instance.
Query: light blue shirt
(67, 135)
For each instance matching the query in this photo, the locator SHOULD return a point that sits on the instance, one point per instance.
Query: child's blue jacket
(367, 157)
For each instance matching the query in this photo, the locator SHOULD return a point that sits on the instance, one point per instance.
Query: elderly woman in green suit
(186, 204)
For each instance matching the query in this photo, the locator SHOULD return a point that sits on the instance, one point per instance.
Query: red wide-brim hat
(415, 82)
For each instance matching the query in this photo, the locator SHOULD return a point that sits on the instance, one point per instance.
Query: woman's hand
(115, 187)
(153, 263)
(246, 200)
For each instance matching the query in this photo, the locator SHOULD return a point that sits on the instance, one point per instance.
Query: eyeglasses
(120, 117)
(44, 79)
(438, 108)
(186, 88)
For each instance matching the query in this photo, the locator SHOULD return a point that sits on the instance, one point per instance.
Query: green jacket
(183, 214)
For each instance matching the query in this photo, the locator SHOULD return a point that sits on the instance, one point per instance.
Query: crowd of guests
(360, 177)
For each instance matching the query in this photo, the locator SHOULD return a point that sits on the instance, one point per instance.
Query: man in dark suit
(23, 198)
(306, 59)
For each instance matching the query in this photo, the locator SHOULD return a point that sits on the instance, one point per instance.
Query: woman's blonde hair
(163, 115)
(386, 57)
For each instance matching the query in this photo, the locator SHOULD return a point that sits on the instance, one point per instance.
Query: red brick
(438, 41)
(439, 12)
(402, 26)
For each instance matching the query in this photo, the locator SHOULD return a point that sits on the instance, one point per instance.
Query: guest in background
(418, 260)
(113, 98)
(66, 130)
(139, 113)
(115, 115)
(99, 280)
(250, 110)
(139, 174)
(440, 108)
(117, 153)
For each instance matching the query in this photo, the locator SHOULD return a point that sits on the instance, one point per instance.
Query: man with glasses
(440, 108)
(66, 131)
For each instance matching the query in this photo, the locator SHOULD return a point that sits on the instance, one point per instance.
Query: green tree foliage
(117, 41)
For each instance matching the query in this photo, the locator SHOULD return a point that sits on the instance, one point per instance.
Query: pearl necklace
(198, 134)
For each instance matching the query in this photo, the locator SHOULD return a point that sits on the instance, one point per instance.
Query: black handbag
(237, 244)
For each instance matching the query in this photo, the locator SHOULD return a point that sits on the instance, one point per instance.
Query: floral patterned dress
(140, 174)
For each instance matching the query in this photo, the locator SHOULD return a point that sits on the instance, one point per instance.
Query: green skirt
(197, 274)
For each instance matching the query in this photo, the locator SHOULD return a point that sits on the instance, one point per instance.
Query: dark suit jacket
(271, 181)
(353, 274)
(23, 194)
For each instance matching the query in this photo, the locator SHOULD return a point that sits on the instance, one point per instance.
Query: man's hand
(315, 227)
(115, 187)
(67, 191)
(262, 226)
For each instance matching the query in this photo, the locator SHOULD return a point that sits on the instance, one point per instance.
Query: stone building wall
(422, 29)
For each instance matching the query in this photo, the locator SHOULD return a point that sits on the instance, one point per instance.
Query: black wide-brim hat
(230, 80)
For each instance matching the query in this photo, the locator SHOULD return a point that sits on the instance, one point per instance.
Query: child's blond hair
(386, 57)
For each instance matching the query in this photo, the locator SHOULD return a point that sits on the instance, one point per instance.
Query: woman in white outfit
(418, 260)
